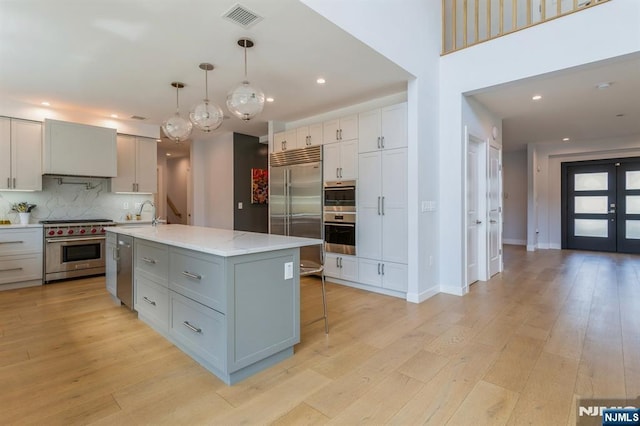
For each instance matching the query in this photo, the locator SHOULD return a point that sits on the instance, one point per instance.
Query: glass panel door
(590, 200)
(629, 207)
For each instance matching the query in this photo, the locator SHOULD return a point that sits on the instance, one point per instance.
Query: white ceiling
(571, 105)
(120, 56)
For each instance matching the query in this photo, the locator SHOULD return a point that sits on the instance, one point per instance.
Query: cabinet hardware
(14, 183)
(478, 222)
(493, 221)
(337, 137)
(337, 262)
(382, 204)
(191, 327)
(8, 183)
(379, 146)
(340, 263)
(149, 301)
(378, 269)
(10, 269)
(11, 242)
(133, 187)
(378, 205)
(340, 134)
(123, 244)
(114, 256)
(383, 269)
(72, 240)
(337, 172)
(308, 140)
(148, 260)
(382, 142)
(191, 275)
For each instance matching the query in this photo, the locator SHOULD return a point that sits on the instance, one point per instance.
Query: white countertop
(220, 242)
(17, 225)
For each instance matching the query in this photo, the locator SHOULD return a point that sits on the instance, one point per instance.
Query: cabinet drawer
(152, 259)
(15, 269)
(152, 302)
(20, 241)
(199, 329)
(199, 277)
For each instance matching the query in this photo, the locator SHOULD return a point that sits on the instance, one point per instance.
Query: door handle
(478, 222)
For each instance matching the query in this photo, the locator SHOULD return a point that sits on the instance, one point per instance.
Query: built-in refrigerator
(295, 198)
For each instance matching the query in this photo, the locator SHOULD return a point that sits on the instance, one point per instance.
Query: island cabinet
(235, 313)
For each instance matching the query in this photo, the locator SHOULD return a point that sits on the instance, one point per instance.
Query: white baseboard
(531, 247)
(373, 289)
(455, 290)
(23, 284)
(555, 246)
(514, 242)
(421, 297)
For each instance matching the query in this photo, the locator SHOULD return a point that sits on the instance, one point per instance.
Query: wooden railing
(173, 208)
(469, 22)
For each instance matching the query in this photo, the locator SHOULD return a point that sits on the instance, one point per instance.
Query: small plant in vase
(24, 211)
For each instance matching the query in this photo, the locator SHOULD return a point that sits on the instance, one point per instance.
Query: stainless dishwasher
(124, 275)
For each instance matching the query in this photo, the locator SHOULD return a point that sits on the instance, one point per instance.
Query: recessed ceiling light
(270, 99)
(114, 115)
(45, 103)
(321, 81)
(619, 115)
(604, 85)
(566, 139)
(158, 140)
(168, 154)
(536, 97)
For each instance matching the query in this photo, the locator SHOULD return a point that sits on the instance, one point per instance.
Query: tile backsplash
(76, 198)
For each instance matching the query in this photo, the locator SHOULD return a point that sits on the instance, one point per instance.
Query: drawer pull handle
(149, 301)
(11, 242)
(146, 259)
(10, 269)
(192, 328)
(190, 275)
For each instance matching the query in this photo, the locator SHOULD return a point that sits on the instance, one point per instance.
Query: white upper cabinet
(137, 165)
(309, 135)
(342, 129)
(340, 161)
(79, 150)
(383, 128)
(283, 141)
(21, 162)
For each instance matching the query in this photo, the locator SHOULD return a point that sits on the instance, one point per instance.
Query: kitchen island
(229, 299)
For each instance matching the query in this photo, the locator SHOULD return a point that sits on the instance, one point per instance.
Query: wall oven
(340, 232)
(74, 248)
(340, 196)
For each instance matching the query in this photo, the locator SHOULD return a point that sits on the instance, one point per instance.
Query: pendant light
(206, 116)
(245, 101)
(177, 128)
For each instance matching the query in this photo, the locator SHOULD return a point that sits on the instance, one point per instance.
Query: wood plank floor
(519, 349)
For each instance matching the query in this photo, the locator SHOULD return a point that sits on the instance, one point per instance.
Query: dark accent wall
(248, 153)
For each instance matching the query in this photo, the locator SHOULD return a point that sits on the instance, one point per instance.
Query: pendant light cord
(206, 85)
(245, 60)
(177, 101)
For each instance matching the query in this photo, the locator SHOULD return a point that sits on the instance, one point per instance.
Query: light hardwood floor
(556, 325)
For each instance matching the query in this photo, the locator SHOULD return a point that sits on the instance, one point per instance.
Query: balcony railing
(469, 22)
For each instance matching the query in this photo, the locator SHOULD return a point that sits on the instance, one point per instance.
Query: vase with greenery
(24, 211)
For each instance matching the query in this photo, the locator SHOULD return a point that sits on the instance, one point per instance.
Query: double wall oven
(340, 217)
(74, 248)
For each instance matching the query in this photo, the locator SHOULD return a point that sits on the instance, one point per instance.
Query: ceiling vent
(242, 16)
(137, 117)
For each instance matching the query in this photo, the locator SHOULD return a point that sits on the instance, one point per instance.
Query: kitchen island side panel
(263, 306)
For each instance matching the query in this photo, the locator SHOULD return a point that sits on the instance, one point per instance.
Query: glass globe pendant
(206, 116)
(175, 127)
(245, 101)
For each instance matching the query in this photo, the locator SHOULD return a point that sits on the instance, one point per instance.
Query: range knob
(52, 232)
(59, 231)
(103, 230)
(82, 231)
(94, 230)
(70, 231)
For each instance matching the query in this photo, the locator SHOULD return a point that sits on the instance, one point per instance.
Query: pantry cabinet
(383, 128)
(21, 159)
(137, 165)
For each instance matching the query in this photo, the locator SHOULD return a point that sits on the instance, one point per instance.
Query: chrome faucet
(155, 220)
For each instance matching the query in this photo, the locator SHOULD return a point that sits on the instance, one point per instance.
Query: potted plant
(24, 211)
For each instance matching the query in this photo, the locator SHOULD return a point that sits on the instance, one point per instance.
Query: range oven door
(340, 233)
(74, 257)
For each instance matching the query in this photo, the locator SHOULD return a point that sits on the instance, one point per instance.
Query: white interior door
(473, 216)
(495, 211)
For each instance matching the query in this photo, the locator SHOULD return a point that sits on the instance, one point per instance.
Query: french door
(601, 205)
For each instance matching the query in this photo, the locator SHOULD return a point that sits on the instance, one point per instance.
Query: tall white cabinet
(21, 158)
(137, 165)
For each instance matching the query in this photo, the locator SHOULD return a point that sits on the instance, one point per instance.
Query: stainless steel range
(74, 248)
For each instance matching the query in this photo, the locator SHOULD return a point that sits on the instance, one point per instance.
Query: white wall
(212, 169)
(514, 174)
(408, 33)
(547, 176)
(504, 60)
